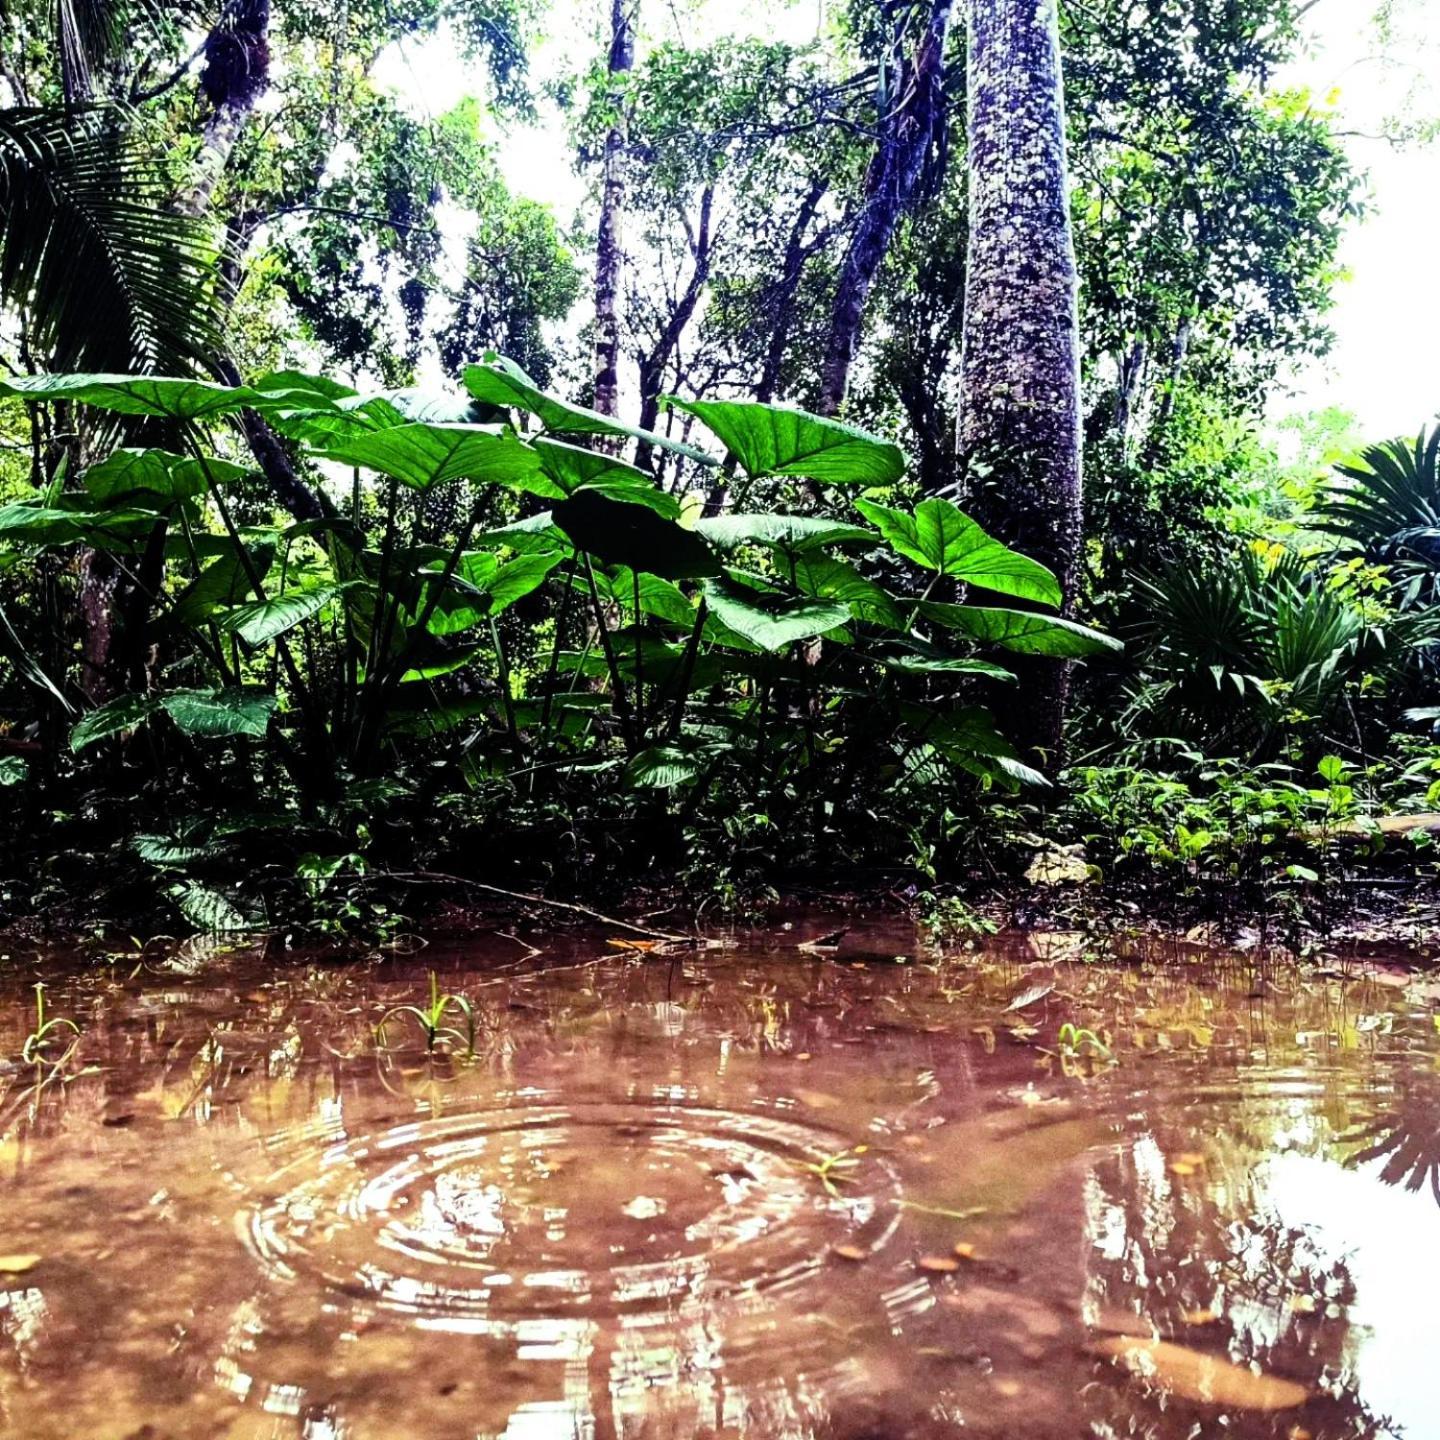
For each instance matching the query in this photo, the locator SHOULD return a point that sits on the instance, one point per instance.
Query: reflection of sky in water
(1388, 1239)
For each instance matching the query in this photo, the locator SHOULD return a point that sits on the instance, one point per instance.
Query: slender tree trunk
(236, 74)
(1179, 352)
(909, 131)
(1020, 366)
(783, 298)
(609, 253)
(653, 364)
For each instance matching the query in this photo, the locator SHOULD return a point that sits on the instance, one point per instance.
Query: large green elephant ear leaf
(796, 533)
(944, 538)
(621, 532)
(220, 712)
(573, 469)
(502, 383)
(774, 440)
(1021, 631)
(158, 396)
(773, 621)
(421, 455)
(155, 475)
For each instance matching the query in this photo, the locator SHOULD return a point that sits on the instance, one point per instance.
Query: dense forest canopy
(862, 450)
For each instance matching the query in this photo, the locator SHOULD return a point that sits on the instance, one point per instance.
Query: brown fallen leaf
(938, 1264)
(1190, 1157)
(17, 1264)
(1194, 1375)
(1181, 1168)
(849, 1252)
(643, 946)
(1200, 1317)
(964, 1250)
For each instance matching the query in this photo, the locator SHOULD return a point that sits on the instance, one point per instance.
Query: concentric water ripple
(493, 1219)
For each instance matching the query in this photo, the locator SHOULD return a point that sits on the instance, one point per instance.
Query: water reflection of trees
(1213, 1267)
(1406, 1138)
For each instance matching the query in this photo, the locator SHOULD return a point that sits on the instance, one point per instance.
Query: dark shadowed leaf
(621, 533)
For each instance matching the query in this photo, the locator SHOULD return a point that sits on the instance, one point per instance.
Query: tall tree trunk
(910, 129)
(654, 363)
(1020, 365)
(609, 255)
(236, 74)
(785, 291)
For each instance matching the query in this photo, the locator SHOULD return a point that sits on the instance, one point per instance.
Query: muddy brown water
(751, 1191)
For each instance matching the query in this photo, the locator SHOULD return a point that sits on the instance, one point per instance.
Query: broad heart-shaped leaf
(772, 621)
(663, 767)
(207, 910)
(225, 581)
(908, 656)
(830, 578)
(65, 523)
(484, 585)
(156, 473)
(619, 532)
(574, 469)
(503, 383)
(657, 597)
(262, 621)
(535, 535)
(159, 396)
(123, 713)
(797, 533)
(1021, 631)
(220, 712)
(942, 537)
(421, 455)
(968, 737)
(773, 440)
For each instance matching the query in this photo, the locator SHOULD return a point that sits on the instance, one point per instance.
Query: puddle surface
(749, 1192)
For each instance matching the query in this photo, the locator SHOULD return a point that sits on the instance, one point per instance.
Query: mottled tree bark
(909, 131)
(609, 255)
(1020, 366)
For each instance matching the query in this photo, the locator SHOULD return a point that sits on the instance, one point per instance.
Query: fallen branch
(432, 877)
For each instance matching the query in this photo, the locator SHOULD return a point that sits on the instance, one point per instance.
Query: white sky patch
(1385, 366)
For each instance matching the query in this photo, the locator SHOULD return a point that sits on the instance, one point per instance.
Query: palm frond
(1389, 510)
(104, 277)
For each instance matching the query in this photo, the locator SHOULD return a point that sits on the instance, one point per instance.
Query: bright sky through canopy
(1385, 366)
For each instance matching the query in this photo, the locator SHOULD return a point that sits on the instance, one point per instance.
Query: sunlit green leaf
(773, 440)
(772, 621)
(942, 537)
(214, 713)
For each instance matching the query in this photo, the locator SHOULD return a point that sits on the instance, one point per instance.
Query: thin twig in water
(433, 877)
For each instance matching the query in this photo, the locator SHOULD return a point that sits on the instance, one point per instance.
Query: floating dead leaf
(965, 1250)
(817, 1099)
(643, 946)
(1010, 1389)
(1181, 1168)
(1200, 1317)
(1191, 1157)
(1028, 997)
(17, 1264)
(939, 1264)
(1194, 1375)
(848, 1252)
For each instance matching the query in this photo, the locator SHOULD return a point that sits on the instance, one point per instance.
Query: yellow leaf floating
(643, 946)
(17, 1264)
(1193, 1375)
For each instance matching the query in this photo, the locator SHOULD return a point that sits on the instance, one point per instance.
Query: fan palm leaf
(1389, 510)
(104, 276)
